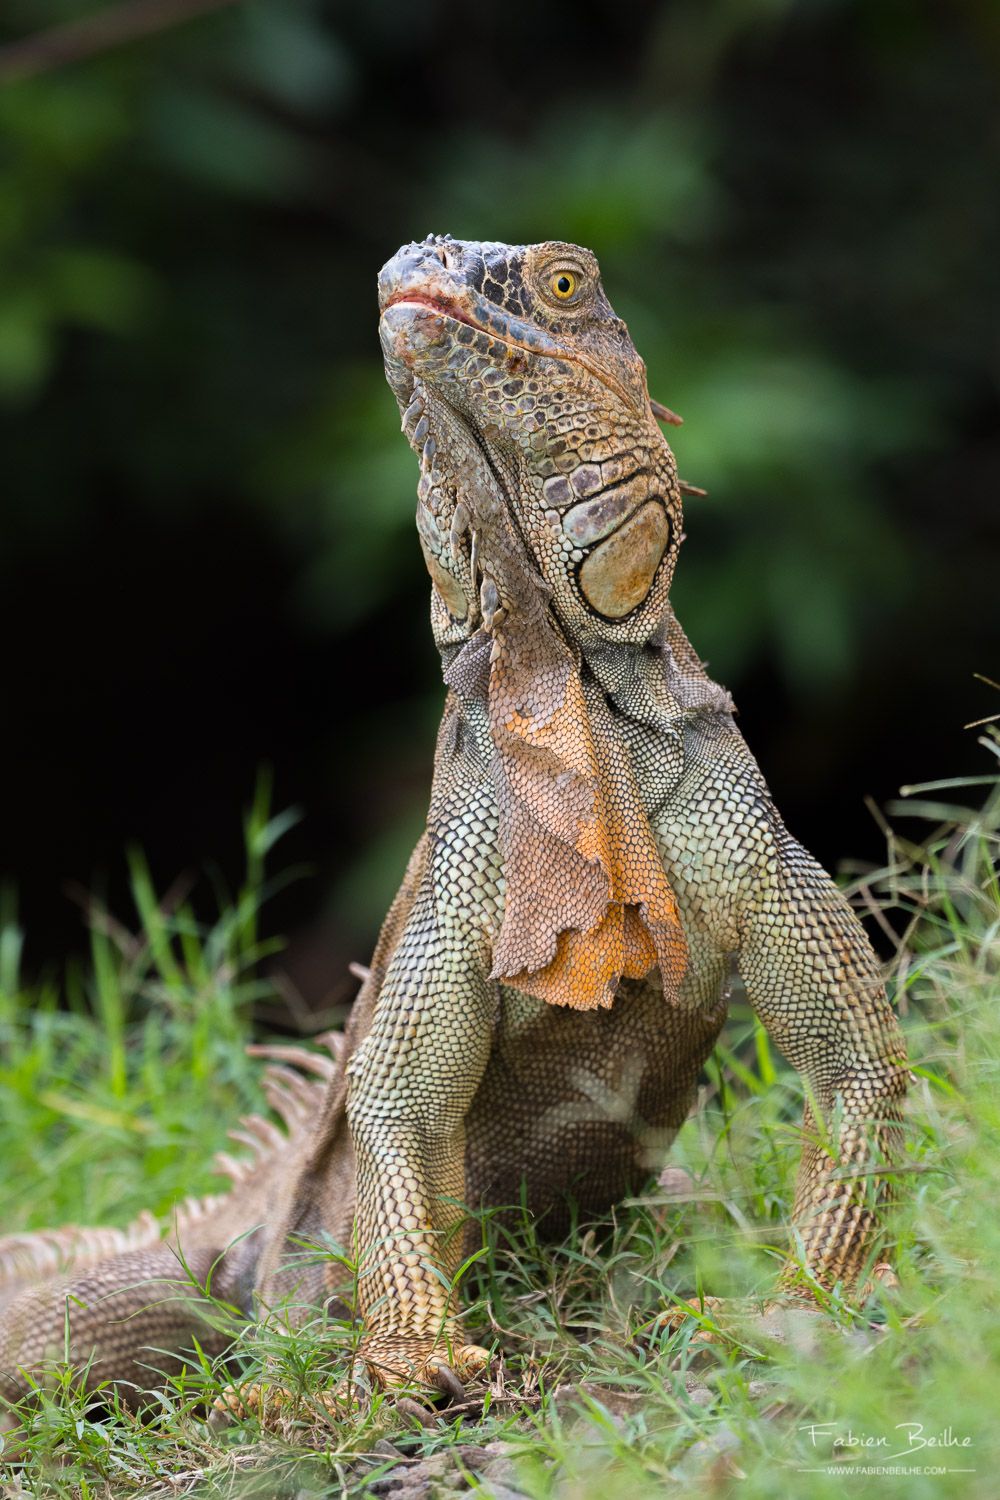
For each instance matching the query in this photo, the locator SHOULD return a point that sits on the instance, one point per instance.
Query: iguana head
(521, 343)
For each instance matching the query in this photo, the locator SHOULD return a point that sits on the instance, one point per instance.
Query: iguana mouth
(436, 304)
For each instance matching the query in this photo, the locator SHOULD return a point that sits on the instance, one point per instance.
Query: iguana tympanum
(600, 846)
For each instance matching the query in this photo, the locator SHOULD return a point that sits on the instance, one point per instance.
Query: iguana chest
(583, 1104)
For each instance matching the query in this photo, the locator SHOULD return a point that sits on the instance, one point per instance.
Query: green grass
(116, 1087)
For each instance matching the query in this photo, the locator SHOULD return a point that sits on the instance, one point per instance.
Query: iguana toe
(275, 1406)
(395, 1361)
(706, 1311)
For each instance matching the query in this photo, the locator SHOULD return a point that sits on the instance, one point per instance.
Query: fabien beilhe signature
(905, 1440)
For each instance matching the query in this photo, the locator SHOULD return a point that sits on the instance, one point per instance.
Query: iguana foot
(715, 1317)
(274, 1406)
(884, 1277)
(793, 1318)
(389, 1362)
(742, 1322)
(705, 1310)
(395, 1360)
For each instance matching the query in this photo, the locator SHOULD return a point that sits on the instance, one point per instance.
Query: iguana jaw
(412, 330)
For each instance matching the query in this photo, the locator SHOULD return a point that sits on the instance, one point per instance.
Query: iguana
(600, 848)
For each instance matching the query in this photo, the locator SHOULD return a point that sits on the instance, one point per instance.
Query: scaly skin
(600, 848)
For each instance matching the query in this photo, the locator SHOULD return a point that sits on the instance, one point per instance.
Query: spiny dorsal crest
(297, 1100)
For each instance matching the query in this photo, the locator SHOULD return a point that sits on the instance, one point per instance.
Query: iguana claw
(447, 1382)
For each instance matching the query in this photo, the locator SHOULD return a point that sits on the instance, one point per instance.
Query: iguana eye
(563, 285)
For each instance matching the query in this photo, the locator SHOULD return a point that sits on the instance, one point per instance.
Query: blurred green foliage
(793, 207)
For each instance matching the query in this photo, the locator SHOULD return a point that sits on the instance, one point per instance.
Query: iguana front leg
(411, 1084)
(812, 977)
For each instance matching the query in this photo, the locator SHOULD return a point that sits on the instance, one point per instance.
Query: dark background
(207, 555)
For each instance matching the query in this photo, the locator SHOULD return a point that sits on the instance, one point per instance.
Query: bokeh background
(206, 555)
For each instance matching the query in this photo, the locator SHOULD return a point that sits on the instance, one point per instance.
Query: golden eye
(563, 285)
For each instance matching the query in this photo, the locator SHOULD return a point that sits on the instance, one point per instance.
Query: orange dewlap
(588, 901)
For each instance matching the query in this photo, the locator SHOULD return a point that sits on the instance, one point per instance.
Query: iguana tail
(117, 1294)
